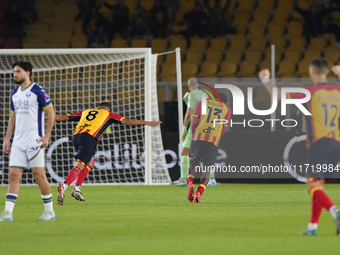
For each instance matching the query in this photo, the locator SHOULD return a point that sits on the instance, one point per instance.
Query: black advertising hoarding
(243, 157)
(251, 156)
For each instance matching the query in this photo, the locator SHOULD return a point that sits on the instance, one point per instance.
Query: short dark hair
(223, 97)
(105, 98)
(320, 65)
(105, 104)
(24, 65)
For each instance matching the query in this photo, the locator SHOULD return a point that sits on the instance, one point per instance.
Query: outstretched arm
(59, 117)
(134, 122)
(264, 75)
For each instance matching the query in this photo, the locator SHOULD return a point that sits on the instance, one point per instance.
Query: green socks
(184, 166)
(212, 175)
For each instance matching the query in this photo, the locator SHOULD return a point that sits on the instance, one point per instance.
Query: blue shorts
(85, 146)
(203, 151)
(323, 157)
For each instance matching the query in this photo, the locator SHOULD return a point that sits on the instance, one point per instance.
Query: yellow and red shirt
(202, 126)
(94, 121)
(324, 106)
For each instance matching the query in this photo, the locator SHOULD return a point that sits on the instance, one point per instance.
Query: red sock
(72, 175)
(321, 197)
(201, 189)
(316, 211)
(190, 178)
(82, 176)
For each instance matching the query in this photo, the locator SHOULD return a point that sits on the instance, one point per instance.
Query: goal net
(79, 79)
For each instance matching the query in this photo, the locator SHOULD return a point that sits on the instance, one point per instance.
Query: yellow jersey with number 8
(94, 121)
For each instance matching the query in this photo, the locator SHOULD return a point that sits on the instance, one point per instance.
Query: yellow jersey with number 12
(324, 106)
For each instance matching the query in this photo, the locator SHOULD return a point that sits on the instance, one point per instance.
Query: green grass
(232, 219)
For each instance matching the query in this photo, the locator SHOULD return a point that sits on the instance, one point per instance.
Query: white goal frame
(147, 88)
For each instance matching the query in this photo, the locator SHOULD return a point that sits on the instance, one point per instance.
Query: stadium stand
(214, 56)
(244, 49)
(193, 56)
(208, 69)
(227, 69)
(55, 25)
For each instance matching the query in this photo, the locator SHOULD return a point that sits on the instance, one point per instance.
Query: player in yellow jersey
(323, 136)
(207, 131)
(191, 99)
(91, 126)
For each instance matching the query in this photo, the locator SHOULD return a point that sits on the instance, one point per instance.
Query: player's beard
(19, 81)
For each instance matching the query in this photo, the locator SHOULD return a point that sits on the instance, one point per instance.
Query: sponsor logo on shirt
(85, 126)
(46, 97)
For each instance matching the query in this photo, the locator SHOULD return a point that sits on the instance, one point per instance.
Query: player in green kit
(191, 100)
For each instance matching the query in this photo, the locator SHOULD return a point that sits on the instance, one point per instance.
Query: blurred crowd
(207, 18)
(158, 22)
(314, 25)
(14, 16)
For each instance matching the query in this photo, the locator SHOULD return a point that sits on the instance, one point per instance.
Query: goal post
(78, 79)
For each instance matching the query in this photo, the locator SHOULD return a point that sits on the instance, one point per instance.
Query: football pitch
(232, 219)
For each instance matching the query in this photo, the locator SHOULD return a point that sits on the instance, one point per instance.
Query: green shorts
(187, 140)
